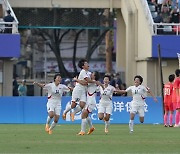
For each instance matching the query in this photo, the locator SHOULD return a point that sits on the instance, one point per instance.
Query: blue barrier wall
(9, 45)
(27, 110)
(169, 46)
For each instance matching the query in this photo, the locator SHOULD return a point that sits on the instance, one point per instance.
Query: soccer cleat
(175, 125)
(90, 130)
(170, 125)
(64, 116)
(131, 131)
(50, 132)
(72, 117)
(106, 130)
(165, 126)
(47, 128)
(81, 133)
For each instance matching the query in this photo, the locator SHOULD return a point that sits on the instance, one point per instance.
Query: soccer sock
(83, 125)
(77, 109)
(165, 119)
(177, 118)
(88, 119)
(107, 123)
(48, 120)
(68, 108)
(131, 123)
(170, 119)
(53, 125)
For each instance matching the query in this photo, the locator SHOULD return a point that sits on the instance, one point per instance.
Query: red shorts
(169, 107)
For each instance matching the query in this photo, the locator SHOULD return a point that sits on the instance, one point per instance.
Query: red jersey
(168, 91)
(175, 87)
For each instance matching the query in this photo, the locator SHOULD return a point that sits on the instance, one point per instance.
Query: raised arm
(39, 84)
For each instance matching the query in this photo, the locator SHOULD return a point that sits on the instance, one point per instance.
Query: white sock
(107, 123)
(131, 124)
(68, 108)
(77, 109)
(53, 125)
(48, 120)
(83, 125)
(88, 119)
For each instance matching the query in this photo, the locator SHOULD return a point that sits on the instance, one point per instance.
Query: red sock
(170, 119)
(177, 118)
(165, 119)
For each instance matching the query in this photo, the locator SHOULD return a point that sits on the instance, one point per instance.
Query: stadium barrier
(32, 110)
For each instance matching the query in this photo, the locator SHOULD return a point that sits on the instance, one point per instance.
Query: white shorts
(78, 95)
(56, 108)
(105, 107)
(137, 109)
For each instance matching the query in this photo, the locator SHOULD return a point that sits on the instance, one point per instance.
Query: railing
(14, 24)
(148, 15)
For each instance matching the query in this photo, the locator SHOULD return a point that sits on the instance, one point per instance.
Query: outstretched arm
(39, 84)
(155, 99)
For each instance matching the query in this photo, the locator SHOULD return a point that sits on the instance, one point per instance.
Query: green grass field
(21, 138)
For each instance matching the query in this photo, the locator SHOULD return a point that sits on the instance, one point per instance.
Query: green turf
(20, 138)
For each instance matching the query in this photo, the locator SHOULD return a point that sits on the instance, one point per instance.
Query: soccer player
(55, 91)
(90, 105)
(137, 104)
(105, 103)
(79, 91)
(176, 96)
(168, 104)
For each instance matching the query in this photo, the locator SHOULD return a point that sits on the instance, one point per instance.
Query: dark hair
(81, 63)
(97, 75)
(171, 77)
(177, 72)
(139, 77)
(55, 76)
(108, 76)
(9, 11)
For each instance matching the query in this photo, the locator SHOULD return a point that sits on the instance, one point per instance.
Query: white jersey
(91, 91)
(55, 92)
(138, 93)
(107, 93)
(82, 75)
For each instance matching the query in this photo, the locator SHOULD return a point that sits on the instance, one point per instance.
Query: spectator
(22, 89)
(8, 18)
(15, 86)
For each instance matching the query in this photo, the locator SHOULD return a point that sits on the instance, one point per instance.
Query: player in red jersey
(168, 104)
(176, 96)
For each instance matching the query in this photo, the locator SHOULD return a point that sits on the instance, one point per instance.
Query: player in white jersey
(55, 91)
(139, 92)
(105, 104)
(79, 91)
(90, 105)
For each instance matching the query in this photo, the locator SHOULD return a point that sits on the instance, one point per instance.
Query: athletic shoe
(81, 133)
(90, 130)
(165, 126)
(47, 128)
(170, 125)
(64, 116)
(106, 130)
(72, 117)
(131, 131)
(175, 125)
(50, 132)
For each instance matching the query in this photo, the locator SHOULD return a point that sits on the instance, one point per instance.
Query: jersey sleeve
(47, 86)
(65, 88)
(129, 89)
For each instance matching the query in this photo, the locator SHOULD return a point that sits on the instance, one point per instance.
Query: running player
(90, 105)
(176, 97)
(168, 104)
(79, 91)
(137, 104)
(55, 91)
(105, 103)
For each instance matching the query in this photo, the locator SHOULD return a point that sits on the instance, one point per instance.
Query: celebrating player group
(84, 99)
